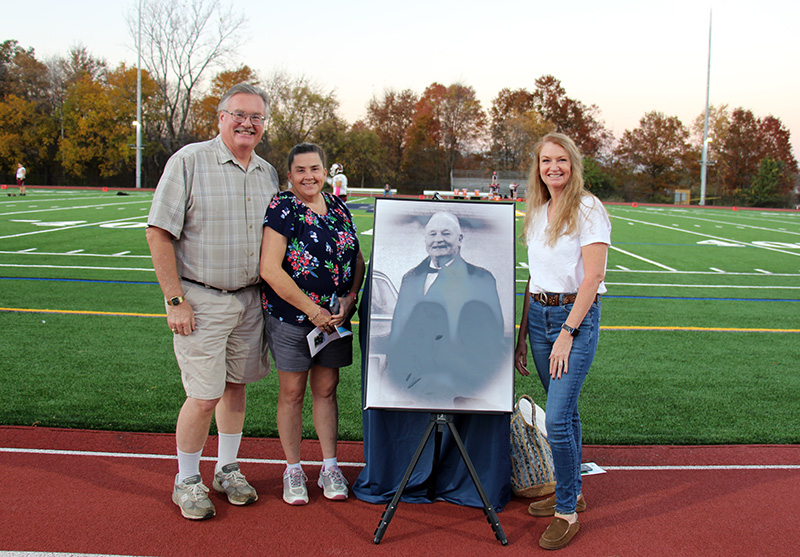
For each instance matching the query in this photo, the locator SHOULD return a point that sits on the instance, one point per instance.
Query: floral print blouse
(320, 255)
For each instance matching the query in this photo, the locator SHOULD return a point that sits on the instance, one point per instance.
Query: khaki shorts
(228, 343)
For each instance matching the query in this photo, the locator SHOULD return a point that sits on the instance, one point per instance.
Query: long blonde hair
(565, 216)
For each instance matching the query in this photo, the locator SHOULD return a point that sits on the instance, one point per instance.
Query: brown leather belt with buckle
(198, 283)
(546, 299)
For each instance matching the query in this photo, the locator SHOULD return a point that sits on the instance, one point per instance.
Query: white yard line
(32, 251)
(84, 225)
(713, 271)
(29, 211)
(75, 267)
(704, 286)
(639, 257)
(795, 253)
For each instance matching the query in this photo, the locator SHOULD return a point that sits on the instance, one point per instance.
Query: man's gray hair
(247, 89)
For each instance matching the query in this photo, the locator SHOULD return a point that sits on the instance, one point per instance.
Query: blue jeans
(563, 421)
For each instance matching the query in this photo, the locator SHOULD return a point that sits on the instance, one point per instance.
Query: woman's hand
(521, 358)
(323, 320)
(559, 355)
(346, 309)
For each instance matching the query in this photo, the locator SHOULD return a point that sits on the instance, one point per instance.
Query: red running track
(59, 495)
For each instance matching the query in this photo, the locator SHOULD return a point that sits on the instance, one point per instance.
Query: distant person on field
(21, 178)
(204, 232)
(338, 181)
(568, 232)
(387, 191)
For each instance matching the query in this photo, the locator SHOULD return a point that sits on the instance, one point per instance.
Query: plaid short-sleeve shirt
(215, 210)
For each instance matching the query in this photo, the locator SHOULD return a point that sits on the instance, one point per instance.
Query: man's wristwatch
(573, 331)
(174, 301)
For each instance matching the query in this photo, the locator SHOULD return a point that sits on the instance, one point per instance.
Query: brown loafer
(547, 507)
(558, 534)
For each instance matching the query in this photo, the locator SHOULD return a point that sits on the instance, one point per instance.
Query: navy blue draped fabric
(391, 438)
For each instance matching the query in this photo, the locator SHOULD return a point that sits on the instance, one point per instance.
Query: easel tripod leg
(491, 515)
(388, 513)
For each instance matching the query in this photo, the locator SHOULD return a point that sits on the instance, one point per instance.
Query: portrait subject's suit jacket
(445, 343)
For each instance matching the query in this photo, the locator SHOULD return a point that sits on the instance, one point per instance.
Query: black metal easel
(439, 421)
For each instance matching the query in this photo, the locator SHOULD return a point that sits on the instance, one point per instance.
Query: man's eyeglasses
(240, 117)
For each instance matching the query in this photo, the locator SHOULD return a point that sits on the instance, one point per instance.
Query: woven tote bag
(531, 459)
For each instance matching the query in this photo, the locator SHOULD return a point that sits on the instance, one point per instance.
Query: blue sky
(628, 58)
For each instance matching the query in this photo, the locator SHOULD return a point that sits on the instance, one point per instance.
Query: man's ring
(175, 331)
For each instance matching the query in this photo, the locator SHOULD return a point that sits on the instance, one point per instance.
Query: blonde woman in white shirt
(567, 231)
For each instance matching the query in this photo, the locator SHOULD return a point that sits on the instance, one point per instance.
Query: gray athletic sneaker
(232, 482)
(192, 497)
(333, 483)
(294, 487)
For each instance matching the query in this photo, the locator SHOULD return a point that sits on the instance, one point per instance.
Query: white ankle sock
(328, 462)
(297, 465)
(188, 464)
(227, 449)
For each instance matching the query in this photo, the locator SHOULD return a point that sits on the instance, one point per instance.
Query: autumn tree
(298, 107)
(204, 110)
(739, 142)
(363, 155)
(181, 41)
(26, 136)
(516, 126)
(462, 123)
(27, 130)
(571, 117)
(390, 117)
(21, 74)
(447, 123)
(768, 187)
(97, 125)
(62, 72)
(656, 152)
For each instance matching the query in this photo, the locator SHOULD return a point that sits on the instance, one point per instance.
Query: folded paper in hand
(319, 339)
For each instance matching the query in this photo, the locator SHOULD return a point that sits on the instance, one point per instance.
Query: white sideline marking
(84, 225)
(31, 251)
(77, 207)
(705, 235)
(705, 286)
(639, 257)
(361, 464)
(51, 554)
(160, 456)
(710, 467)
(74, 267)
(763, 271)
(716, 272)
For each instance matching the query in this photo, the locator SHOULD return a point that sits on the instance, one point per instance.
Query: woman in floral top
(313, 269)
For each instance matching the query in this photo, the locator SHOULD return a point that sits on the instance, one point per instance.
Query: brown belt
(198, 283)
(546, 299)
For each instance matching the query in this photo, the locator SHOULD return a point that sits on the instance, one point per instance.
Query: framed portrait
(441, 317)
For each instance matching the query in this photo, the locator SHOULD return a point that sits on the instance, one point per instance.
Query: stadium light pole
(139, 102)
(704, 159)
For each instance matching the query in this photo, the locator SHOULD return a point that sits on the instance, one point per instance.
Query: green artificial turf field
(700, 337)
